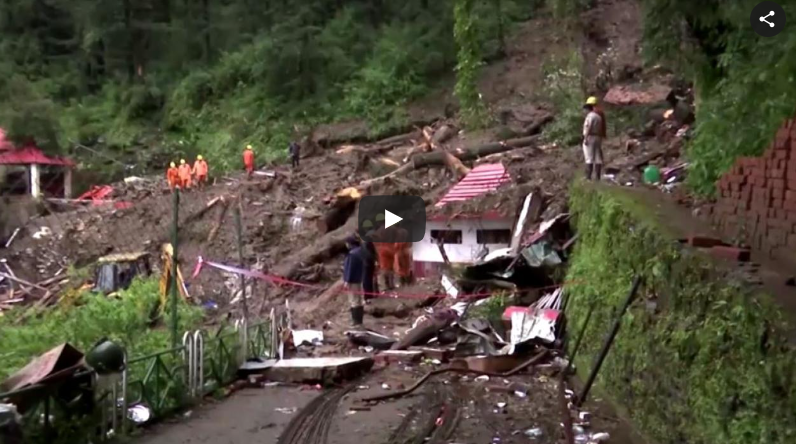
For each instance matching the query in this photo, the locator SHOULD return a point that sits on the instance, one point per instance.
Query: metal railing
(97, 408)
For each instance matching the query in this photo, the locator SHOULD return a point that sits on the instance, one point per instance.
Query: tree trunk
(501, 35)
(326, 247)
(206, 20)
(438, 157)
(128, 28)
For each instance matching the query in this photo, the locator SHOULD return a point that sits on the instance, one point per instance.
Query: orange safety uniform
(403, 259)
(173, 177)
(200, 170)
(185, 176)
(386, 254)
(248, 160)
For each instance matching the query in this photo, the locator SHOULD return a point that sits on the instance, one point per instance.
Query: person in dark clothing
(369, 285)
(353, 273)
(295, 152)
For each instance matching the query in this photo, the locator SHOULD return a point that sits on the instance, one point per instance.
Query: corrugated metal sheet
(481, 180)
(30, 155)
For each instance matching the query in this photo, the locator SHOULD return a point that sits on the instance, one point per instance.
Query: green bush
(744, 83)
(131, 318)
(563, 89)
(699, 358)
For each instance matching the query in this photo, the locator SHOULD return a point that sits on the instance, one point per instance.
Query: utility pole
(175, 291)
(239, 231)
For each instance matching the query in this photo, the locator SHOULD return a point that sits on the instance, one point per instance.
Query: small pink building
(26, 170)
(466, 237)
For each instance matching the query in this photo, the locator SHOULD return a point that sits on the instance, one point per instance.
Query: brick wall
(757, 198)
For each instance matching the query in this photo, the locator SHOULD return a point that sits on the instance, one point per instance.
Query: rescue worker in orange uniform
(385, 252)
(200, 171)
(248, 160)
(185, 175)
(403, 257)
(173, 176)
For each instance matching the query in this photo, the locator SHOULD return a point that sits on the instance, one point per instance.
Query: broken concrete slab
(319, 370)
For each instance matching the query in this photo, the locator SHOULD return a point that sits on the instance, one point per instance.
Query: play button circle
(391, 219)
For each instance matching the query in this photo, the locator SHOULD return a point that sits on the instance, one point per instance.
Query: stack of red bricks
(757, 197)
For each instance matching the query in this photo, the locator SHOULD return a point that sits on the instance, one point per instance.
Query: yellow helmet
(182, 161)
(591, 100)
(173, 165)
(248, 147)
(199, 157)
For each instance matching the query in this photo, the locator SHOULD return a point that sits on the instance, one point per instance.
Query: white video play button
(391, 219)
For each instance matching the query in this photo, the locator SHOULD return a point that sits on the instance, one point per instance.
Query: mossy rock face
(700, 359)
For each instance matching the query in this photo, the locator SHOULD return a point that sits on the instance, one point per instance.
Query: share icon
(763, 19)
(767, 19)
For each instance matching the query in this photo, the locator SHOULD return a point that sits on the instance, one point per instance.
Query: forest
(190, 76)
(143, 80)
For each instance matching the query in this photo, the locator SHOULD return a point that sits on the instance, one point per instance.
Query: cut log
(321, 250)
(536, 127)
(443, 134)
(357, 132)
(203, 211)
(438, 157)
(401, 139)
(217, 224)
(472, 153)
(455, 165)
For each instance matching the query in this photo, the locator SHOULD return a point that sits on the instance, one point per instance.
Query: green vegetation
(563, 88)
(473, 111)
(734, 369)
(491, 309)
(148, 81)
(131, 318)
(745, 83)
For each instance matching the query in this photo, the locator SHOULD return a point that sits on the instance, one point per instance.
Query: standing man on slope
(173, 176)
(200, 171)
(353, 273)
(248, 160)
(294, 149)
(593, 135)
(185, 175)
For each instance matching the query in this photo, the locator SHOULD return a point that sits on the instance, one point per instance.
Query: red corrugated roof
(481, 180)
(29, 155)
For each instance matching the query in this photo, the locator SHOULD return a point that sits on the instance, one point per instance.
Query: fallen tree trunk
(219, 219)
(438, 157)
(323, 249)
(203, 211)
(455, 165)
(399, 139)
(443, 134)
(472, 153)
(537, 126)
(359, 132)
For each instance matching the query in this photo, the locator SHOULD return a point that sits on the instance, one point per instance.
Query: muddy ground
(514, 410)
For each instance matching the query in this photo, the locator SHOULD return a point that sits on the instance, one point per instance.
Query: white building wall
(466, 252)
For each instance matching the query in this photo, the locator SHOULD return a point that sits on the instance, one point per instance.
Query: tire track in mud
(311, 425)
(420, 426)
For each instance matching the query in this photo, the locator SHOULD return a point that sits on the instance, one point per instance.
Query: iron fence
(98, 408)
